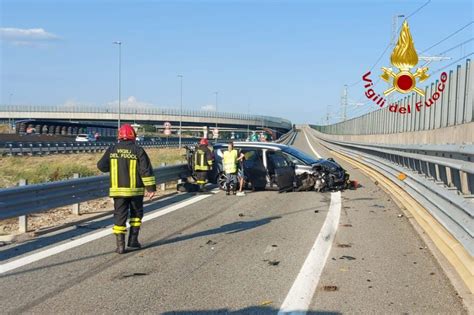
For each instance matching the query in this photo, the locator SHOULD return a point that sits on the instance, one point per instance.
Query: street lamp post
(119, 43)
(217, 136)
(9, 118)
(180, 108)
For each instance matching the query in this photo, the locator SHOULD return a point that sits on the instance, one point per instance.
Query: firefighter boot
(120, 243)
(133, 237)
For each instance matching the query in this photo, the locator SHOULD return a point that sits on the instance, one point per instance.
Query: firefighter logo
(404, 57)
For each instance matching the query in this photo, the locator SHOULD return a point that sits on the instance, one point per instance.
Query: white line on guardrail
(91, 237)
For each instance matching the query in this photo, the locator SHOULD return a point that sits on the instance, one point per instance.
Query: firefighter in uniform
(203, 159)
(131, 177)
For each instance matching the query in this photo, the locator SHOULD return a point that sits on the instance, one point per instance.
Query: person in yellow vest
(230, 160)
(203, 159)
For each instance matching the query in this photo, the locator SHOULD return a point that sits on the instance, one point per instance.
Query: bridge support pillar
(23, 220)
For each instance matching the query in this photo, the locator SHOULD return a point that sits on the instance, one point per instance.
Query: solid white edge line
(310, 146)
(11, 265)
(301, 293)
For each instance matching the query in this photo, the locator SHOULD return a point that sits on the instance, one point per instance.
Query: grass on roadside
(48, 168)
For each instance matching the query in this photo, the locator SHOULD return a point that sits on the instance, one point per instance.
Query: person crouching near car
(203, 159)
(230, 160)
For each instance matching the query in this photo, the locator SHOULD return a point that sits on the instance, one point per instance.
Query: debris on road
(266, 303)
(330, 288)
(346, 225)
(376, 182)
(347, 257)
(377, 206)
(241, 215)
(400, 216)
(135, 274)
(344, 245)
(272, 262)
(211, 242)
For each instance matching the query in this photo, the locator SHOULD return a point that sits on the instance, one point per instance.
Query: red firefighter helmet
(126, 132)
(204, 142)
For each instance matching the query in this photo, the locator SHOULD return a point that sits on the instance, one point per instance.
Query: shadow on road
(248, 310)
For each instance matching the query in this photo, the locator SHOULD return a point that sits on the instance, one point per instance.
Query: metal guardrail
(454, 107)
(19, 201)
(44, 148)
(288, 138)
(429, 180)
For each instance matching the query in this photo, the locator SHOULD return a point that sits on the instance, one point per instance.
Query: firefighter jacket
(203, 158)
(130, 170)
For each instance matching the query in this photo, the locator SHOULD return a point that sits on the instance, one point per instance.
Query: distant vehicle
(280, 167)
(140, 138)
(84, 137)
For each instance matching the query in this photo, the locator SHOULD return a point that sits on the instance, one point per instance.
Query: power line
(448, 37)
(452, 63)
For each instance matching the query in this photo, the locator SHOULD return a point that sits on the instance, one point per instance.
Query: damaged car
(279, 167)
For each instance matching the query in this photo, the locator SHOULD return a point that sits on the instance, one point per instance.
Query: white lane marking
(301, 293)
(91, 237)
(310, 146)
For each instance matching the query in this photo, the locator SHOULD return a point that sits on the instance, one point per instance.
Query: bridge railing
(45, 148)
(454, 107)
(257, 119)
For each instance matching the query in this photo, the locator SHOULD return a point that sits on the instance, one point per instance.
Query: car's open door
(285, 177)
(282, 169)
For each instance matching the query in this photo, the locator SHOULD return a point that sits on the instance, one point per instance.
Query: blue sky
(284, 58)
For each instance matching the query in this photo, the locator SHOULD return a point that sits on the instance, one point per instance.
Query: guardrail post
(163, 185)
(76, 208)
(464, 183)
(449, 177)
(23, 220)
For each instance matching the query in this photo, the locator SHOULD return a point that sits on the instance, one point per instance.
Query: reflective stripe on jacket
(230, 161)
(130, 170)
(202, 158)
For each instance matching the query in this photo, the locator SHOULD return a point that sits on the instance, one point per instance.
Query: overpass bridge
(153, 116)
(402, 242)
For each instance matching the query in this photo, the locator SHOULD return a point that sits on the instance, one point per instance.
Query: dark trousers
(122, 206)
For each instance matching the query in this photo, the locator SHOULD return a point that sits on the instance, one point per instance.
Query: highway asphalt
(223, 254)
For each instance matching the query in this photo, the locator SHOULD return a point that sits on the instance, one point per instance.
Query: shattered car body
(278, 167)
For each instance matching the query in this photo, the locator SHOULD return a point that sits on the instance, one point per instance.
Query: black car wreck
(278, 167)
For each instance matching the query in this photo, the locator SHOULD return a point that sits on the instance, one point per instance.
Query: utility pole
(180, 109)
(344, 103)
(119, 43)
(10, 103)
(393, 40)
(217, 137)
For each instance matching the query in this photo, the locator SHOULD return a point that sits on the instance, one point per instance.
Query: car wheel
(221, 179)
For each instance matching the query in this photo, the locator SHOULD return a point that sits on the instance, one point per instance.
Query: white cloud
(26, 37)
(210, 108)
(131, 101)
